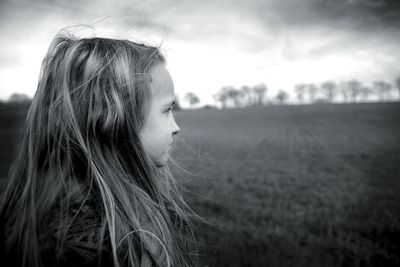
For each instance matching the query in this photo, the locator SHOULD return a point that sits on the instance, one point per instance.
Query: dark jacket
(79, 249)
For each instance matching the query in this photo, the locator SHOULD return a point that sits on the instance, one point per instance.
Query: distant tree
(365, 92)
(397, 83)
(389, 90)
(235, 95)
(344, 91)
(329, 89)
(312, 91)
(223, 96)
(282, 96)
(19, 98)
(192, 98)
(247, 93)
(382, 89)
(300, 91)
(354, 89)
(219, 97)
(260, 91)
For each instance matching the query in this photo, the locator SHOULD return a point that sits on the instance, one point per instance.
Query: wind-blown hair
(81, 183)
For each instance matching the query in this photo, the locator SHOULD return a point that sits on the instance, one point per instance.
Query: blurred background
(289, 111)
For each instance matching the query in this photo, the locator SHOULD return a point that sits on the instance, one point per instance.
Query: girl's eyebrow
(172, 103)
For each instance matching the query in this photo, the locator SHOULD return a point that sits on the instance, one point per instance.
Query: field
(296, 185)
(314, 185)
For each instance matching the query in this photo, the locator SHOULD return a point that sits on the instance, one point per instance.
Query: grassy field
(286, 185)
(296, 185)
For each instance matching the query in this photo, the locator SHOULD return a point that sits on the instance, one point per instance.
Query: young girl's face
(160, 126)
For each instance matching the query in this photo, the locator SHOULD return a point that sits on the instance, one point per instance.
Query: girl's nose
(175, 128)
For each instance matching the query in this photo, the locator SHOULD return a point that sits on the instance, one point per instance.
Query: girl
(91, 185)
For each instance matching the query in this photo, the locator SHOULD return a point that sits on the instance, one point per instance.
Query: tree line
(328, 91)
(350, 91)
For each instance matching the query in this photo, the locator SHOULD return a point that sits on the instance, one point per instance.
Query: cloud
(250, 26)
(250, 38)
(356, 14)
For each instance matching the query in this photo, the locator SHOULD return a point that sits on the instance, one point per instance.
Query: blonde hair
(81, 177)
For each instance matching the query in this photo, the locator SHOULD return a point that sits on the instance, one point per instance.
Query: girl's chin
(161, 161)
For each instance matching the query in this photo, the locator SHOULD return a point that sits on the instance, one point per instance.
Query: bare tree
(365, 92)
(218, 97)
(222, 96)
(260, 91)
(282, 96)
(300, 91)
(246, 92)
(354, 88)
(329, 89)
(397, 83)
(312, 91)
(344, 91)
(229, 95)
(382, 89)
(192, 98)
(235, 95)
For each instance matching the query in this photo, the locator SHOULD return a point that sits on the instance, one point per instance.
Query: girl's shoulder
(84, 237)
(80, 246)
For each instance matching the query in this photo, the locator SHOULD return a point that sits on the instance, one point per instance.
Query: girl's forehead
(161, 82)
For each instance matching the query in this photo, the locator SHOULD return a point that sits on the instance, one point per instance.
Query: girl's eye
(171, 108)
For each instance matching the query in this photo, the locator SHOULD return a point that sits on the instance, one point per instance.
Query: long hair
(81, 177)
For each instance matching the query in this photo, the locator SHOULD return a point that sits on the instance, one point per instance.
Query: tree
(382, 89)
(354, 89)
(329, 90)
(246, 91)
(192, 98)
(260, 91)
(397, 83)
(365, 92)
(312, 91)
(19, 98)
(235, 95)
(223, 96)
(300, 90)
(344, 90)
(282, 96)
(220, 97)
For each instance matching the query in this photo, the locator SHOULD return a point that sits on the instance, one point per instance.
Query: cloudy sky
(214, 43)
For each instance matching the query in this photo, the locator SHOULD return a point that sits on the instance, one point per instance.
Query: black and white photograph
(199, 133)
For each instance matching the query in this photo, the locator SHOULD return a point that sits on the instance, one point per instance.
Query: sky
(214, 43)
